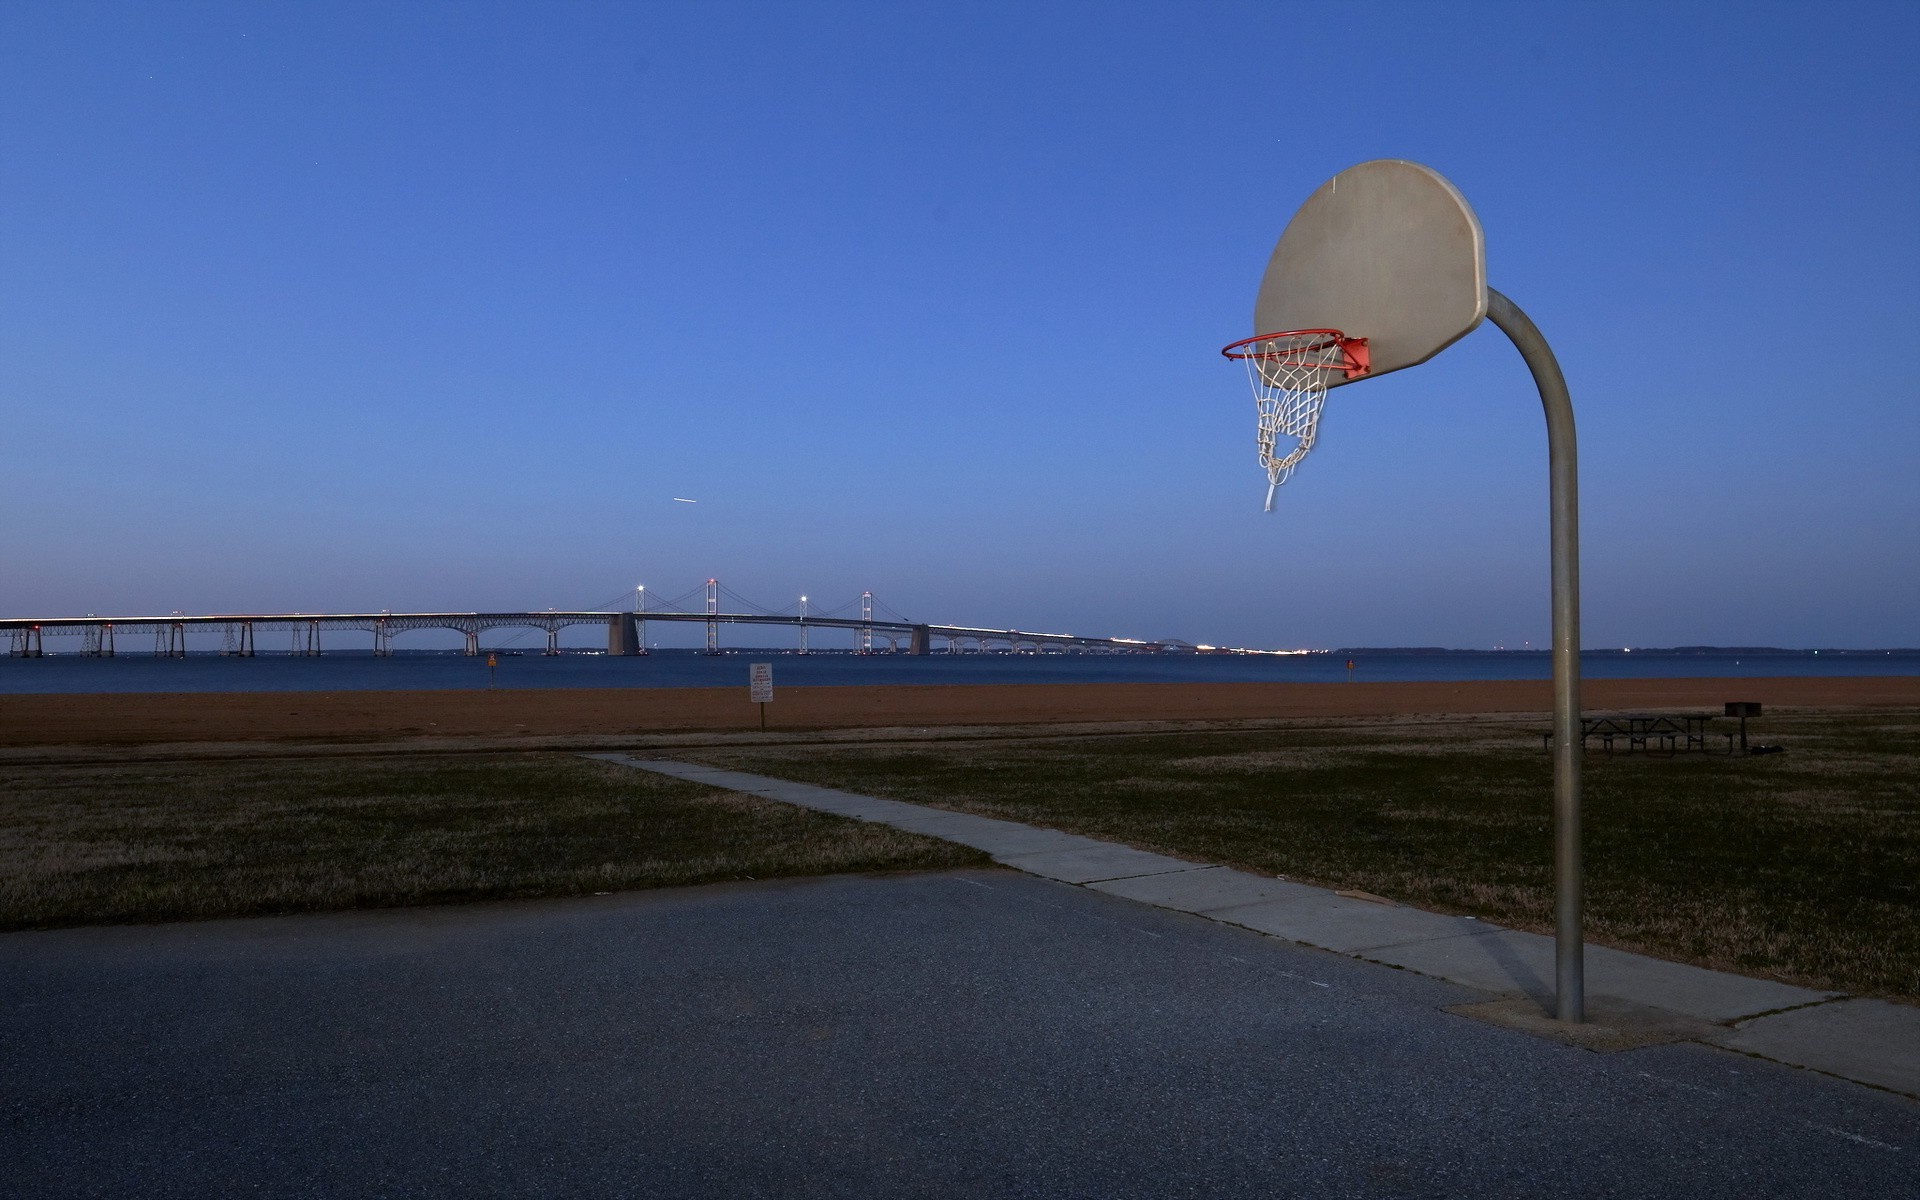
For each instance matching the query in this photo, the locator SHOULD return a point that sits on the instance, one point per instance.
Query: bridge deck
(27, 633)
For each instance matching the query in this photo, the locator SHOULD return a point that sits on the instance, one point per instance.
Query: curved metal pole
(1564, 487)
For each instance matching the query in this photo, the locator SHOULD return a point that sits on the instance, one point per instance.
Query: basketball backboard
(1382, 268)
(1388, 251)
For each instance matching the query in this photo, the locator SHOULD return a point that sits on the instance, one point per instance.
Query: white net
(1289, 373)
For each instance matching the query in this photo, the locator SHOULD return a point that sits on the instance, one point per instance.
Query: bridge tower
(803, 624)
(640, 618)
(866, 627)
(713, 608)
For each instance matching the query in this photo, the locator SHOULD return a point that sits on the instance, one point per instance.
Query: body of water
(685, 668)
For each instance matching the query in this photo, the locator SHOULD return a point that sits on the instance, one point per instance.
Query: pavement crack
(1774, 1012)
(1858, 1138)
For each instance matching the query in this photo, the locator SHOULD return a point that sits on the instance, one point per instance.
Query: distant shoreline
(1668, 651)
(173, 717)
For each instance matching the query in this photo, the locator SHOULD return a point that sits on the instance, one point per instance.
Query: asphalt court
(979, 1033)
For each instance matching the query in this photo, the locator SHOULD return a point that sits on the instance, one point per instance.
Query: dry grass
(82, 845)
(1803, 866)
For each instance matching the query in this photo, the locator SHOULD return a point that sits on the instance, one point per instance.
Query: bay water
(433, 671)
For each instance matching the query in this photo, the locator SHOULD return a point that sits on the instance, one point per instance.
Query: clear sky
(339, 306)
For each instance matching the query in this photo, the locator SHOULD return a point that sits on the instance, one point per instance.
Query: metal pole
(1564, 487)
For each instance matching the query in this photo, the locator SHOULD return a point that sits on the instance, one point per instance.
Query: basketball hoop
(1290, 372)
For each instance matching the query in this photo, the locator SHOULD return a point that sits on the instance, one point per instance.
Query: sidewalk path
(1632, 999)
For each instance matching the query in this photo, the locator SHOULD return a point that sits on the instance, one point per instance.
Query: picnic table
(1668, 733)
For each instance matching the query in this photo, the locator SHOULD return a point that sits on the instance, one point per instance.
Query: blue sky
(350, 307)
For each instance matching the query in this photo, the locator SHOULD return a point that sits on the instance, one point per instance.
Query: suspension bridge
(870, 623)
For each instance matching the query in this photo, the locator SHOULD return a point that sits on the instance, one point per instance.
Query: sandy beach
(140, 719)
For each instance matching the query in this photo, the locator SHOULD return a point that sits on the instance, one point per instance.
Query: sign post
(492, 663)
(760, 687)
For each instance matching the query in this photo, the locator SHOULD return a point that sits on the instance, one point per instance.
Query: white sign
(760, 682)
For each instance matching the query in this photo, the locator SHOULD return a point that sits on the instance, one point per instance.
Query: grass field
(1803, 866)
(83, 845)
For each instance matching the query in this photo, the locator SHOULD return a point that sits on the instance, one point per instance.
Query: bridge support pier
(623, 635)
(922, 643)
(473, 643)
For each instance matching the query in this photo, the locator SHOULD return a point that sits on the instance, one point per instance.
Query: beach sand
(150, 718)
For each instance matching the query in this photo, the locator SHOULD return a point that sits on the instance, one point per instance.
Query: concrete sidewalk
(1632, 1000)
